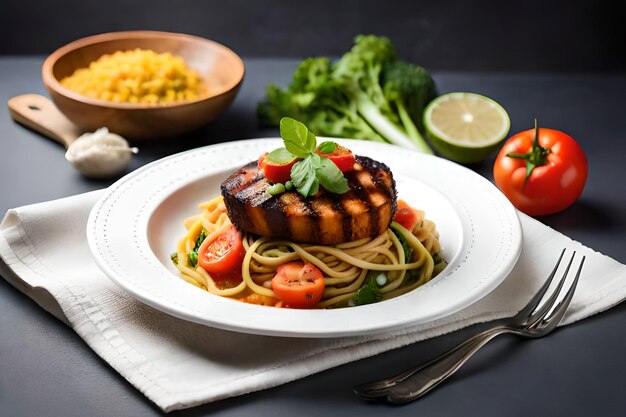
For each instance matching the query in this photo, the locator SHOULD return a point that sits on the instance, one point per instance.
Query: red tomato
(298, 284)
(276, 172)
(541, 171)
(340, 156)
(406, 216)
(222, 255)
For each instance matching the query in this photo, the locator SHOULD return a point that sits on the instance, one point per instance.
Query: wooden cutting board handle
(40, 114)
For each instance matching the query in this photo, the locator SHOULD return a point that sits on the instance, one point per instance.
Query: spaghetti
(345, 267)
(395, 262)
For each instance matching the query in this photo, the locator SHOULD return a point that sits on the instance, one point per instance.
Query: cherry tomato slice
(406, 216)
(340, 156)
(221, 256)
(298, 284)
(276, 172)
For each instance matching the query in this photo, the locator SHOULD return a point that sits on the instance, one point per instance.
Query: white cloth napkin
(178, 364)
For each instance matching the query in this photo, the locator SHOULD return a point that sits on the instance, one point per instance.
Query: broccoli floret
(408, 88)
(367, 94)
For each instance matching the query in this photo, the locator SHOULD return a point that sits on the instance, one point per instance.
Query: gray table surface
(47, 370)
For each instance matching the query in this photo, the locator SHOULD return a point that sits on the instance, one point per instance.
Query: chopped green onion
(276, 189)
(288, 185)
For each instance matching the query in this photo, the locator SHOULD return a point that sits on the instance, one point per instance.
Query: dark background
(450, 35)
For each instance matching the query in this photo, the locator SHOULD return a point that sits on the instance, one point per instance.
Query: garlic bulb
(100, 154)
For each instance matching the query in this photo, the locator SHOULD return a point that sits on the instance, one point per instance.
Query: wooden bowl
(220, 68)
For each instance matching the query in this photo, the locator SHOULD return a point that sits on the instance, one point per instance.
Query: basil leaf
(280, 156)
(327, 147)
(330, 177)
(297, 138)
(311, 141)
(316, 161)
(303, 177)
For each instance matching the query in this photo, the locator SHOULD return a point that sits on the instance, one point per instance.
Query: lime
(465, 127)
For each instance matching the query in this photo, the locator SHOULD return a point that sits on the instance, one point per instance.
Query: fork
(533, 321)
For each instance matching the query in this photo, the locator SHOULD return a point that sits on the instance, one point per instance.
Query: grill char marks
(326, 218)
(364, 192)
(244, 194)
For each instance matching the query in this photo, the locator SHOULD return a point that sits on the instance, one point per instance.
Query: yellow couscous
(137, 76)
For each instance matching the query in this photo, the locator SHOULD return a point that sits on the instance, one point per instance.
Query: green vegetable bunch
(367, 94)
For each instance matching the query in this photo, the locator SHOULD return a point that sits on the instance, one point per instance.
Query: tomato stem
(536, 157)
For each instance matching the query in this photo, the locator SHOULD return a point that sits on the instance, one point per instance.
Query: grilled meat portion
(366, 210)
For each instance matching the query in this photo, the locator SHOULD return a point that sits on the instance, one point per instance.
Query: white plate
(135, 226)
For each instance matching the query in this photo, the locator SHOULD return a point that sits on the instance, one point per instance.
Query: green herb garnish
(408, 250)
(276, 189)
(297, 138)
(440, 264)
(192, 256)
(280, 156)
(330, 177)
(328, 147)
(369, 292)
(313, 170)
(412, 275)
(304, 175)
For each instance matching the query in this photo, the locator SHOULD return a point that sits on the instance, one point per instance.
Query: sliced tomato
(221, 255)
(276, 172)
(406, 216)
(299, 284)
(340, 156)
